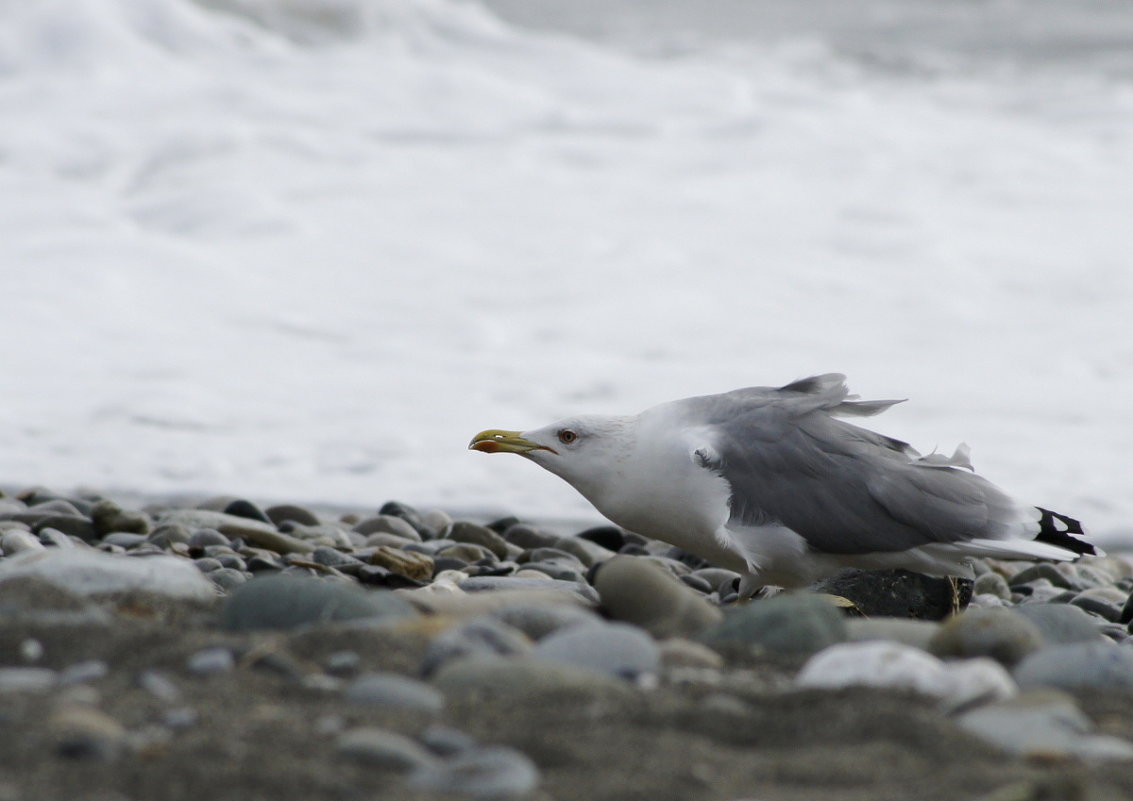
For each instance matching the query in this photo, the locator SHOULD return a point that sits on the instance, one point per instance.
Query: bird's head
(584, 451)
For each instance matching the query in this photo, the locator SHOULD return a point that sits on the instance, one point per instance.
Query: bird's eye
(566, 436)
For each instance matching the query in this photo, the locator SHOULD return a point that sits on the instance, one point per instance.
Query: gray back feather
(843, 488)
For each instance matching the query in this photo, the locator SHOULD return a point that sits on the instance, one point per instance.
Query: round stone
(1101, 665)
(393, 690)
(618, 649)
(636, 591)
(792, 623)
(206, 537)
(383, 749)
(210, 661)
(1060, 623)
(82, 732)
(286, 512)
(483, 636)
(282, 602)
(997, 633)
(494, 772)
(463, 531)
(991, 583)
(245, 508)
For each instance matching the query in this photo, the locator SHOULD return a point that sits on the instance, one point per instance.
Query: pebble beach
(226, 650)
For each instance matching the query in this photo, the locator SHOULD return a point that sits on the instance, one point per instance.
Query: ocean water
(305, 249)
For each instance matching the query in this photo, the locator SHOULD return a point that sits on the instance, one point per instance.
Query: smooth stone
(618, 649)
(896, 593)
(1102, 665)
(465, 552)
(997, 633)
(159, 685)
(78, 527)
(463, 531)
(550, 555)
(283, 602)
(17, 541)
(490, 583)
(166, 535)
(522, 678)
(55, 538)
(437, 521)
(263, 535)
(1043, 724)
(791, 623)
(332, 557)
(696, 583)
(1127, 610)
(383, 749)
(384, 538)
(83, 732)
(878, 663)
(555, 570)
(483, 636)
(914, 633)
(493, 772)
(587, 552)
(529, 537)
(405, 512)
(290, 513)
(611, 538)
(387, 524)
(636, 591)
(207, 537)
(1096, 606)
(1042, 570)
(208, 661)
(108, 517)
(323, 535)
(677, 652)
(342, 663)
(393, 690)
(89, 572)
(445, 741)
(56, 505)
(27, 679)
(245, 508)
(991, 583)
(1060, 623)
(412, 565)
(124, 539)
(82, 672)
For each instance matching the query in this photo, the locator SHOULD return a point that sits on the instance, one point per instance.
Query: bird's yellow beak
(496, 441)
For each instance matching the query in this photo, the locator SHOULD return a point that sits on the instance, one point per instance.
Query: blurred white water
(305, 250)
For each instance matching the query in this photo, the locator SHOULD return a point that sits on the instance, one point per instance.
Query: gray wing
(843, 488)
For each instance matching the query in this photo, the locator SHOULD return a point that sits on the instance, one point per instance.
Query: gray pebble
(387, 524)
(283, 602)
(485, 583)
(437, 522)
(1042, 570)
(393, 690)
(618, 649)
(204, 537)
(55, 538)
(991, 583)
(124, 539)
(383, 749)
(207, 564)
(332, 557)
(1043, 724)
(210, 661)
(159, 685)
(917, 633)
(18, 541)
(788, 624)
(445, 741)
(287, 512)
(636, 591)
(494, 772)
(342, 663)
(80, 672)
(167, 534)
(537, 621)
(91, 572)
(998, 633)
(466, 552)
(557, 570)
(1102, 665)
(484, 636)
(227, 578)
(520, 679)
(587, 552)
(529, 537)
(463, 531)
(26, 679)
(1060, 623)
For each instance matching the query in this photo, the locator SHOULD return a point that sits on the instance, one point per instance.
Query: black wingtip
(1060, 530)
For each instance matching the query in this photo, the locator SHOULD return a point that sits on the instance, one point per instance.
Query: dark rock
(79, 527)
(109, 517)
(463, 531)
(529, 537)
(611, 538)
(898, 593)
(285, 512)
(244, 508)
(503, 524)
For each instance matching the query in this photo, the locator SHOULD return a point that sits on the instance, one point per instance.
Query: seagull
(771, 483)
